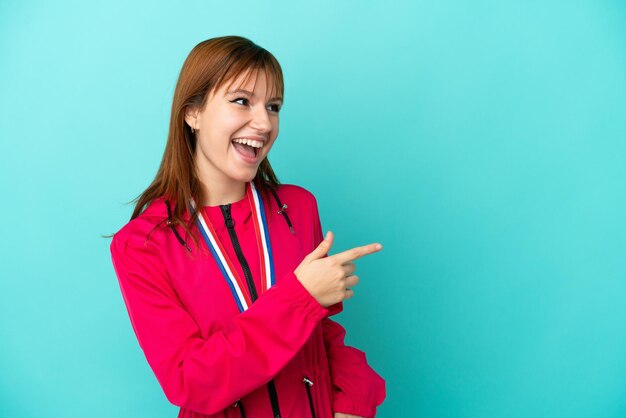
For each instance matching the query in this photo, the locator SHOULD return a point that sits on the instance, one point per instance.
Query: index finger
(357, 252)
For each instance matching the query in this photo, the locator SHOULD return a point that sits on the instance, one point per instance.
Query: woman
(228, 291)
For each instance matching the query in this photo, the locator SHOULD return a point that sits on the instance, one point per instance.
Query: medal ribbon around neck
(237, 284)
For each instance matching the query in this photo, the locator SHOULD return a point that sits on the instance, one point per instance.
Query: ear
(191, 116)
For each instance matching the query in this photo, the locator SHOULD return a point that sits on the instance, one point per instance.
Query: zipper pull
(230, 222)
(307, 385)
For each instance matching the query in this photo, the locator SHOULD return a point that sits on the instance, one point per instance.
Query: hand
(342, 415)
(328, 279)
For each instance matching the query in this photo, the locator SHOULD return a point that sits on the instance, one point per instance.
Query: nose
(261, 120)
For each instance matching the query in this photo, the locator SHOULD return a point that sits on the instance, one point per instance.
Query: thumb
(323, 247)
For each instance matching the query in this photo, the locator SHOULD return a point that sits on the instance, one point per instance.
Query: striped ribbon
(235, 282)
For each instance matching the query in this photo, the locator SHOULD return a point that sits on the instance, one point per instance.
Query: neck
(220, 193)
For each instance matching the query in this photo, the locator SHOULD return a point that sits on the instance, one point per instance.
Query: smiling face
(241, 111)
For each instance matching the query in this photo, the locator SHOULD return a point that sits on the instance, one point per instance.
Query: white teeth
(251, 142)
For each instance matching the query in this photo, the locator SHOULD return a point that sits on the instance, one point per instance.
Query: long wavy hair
(209, 65)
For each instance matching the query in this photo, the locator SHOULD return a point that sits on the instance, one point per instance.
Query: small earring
(193, 131)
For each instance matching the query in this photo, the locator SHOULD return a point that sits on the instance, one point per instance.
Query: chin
(247, 176)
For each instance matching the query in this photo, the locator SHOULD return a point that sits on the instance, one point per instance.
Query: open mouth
(246, 150)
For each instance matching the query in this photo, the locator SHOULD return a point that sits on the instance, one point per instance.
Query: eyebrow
(249, 93)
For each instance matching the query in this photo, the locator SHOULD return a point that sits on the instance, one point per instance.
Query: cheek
(223, 121)
(276, 127)
(230, 119)
(221, 133)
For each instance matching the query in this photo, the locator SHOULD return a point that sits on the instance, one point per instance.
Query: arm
(357, 388)
(208, 375)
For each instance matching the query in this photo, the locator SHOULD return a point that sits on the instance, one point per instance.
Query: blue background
(483, 143)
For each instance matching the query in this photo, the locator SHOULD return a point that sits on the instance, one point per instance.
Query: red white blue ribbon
(237, 284)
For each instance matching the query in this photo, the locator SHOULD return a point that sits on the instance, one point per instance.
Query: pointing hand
(329, 279)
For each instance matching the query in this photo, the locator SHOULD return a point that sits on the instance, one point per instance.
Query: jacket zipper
(271, 388)
(239, 405)
(307, 384)
(230, 224)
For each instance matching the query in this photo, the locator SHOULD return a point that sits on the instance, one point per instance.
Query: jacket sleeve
(357, 388)
(207, 375)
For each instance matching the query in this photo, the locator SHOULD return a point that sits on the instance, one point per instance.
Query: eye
(240, 98)
(274, 107)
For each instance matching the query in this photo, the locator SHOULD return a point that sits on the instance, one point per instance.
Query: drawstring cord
(281, 211)
(171, 225)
